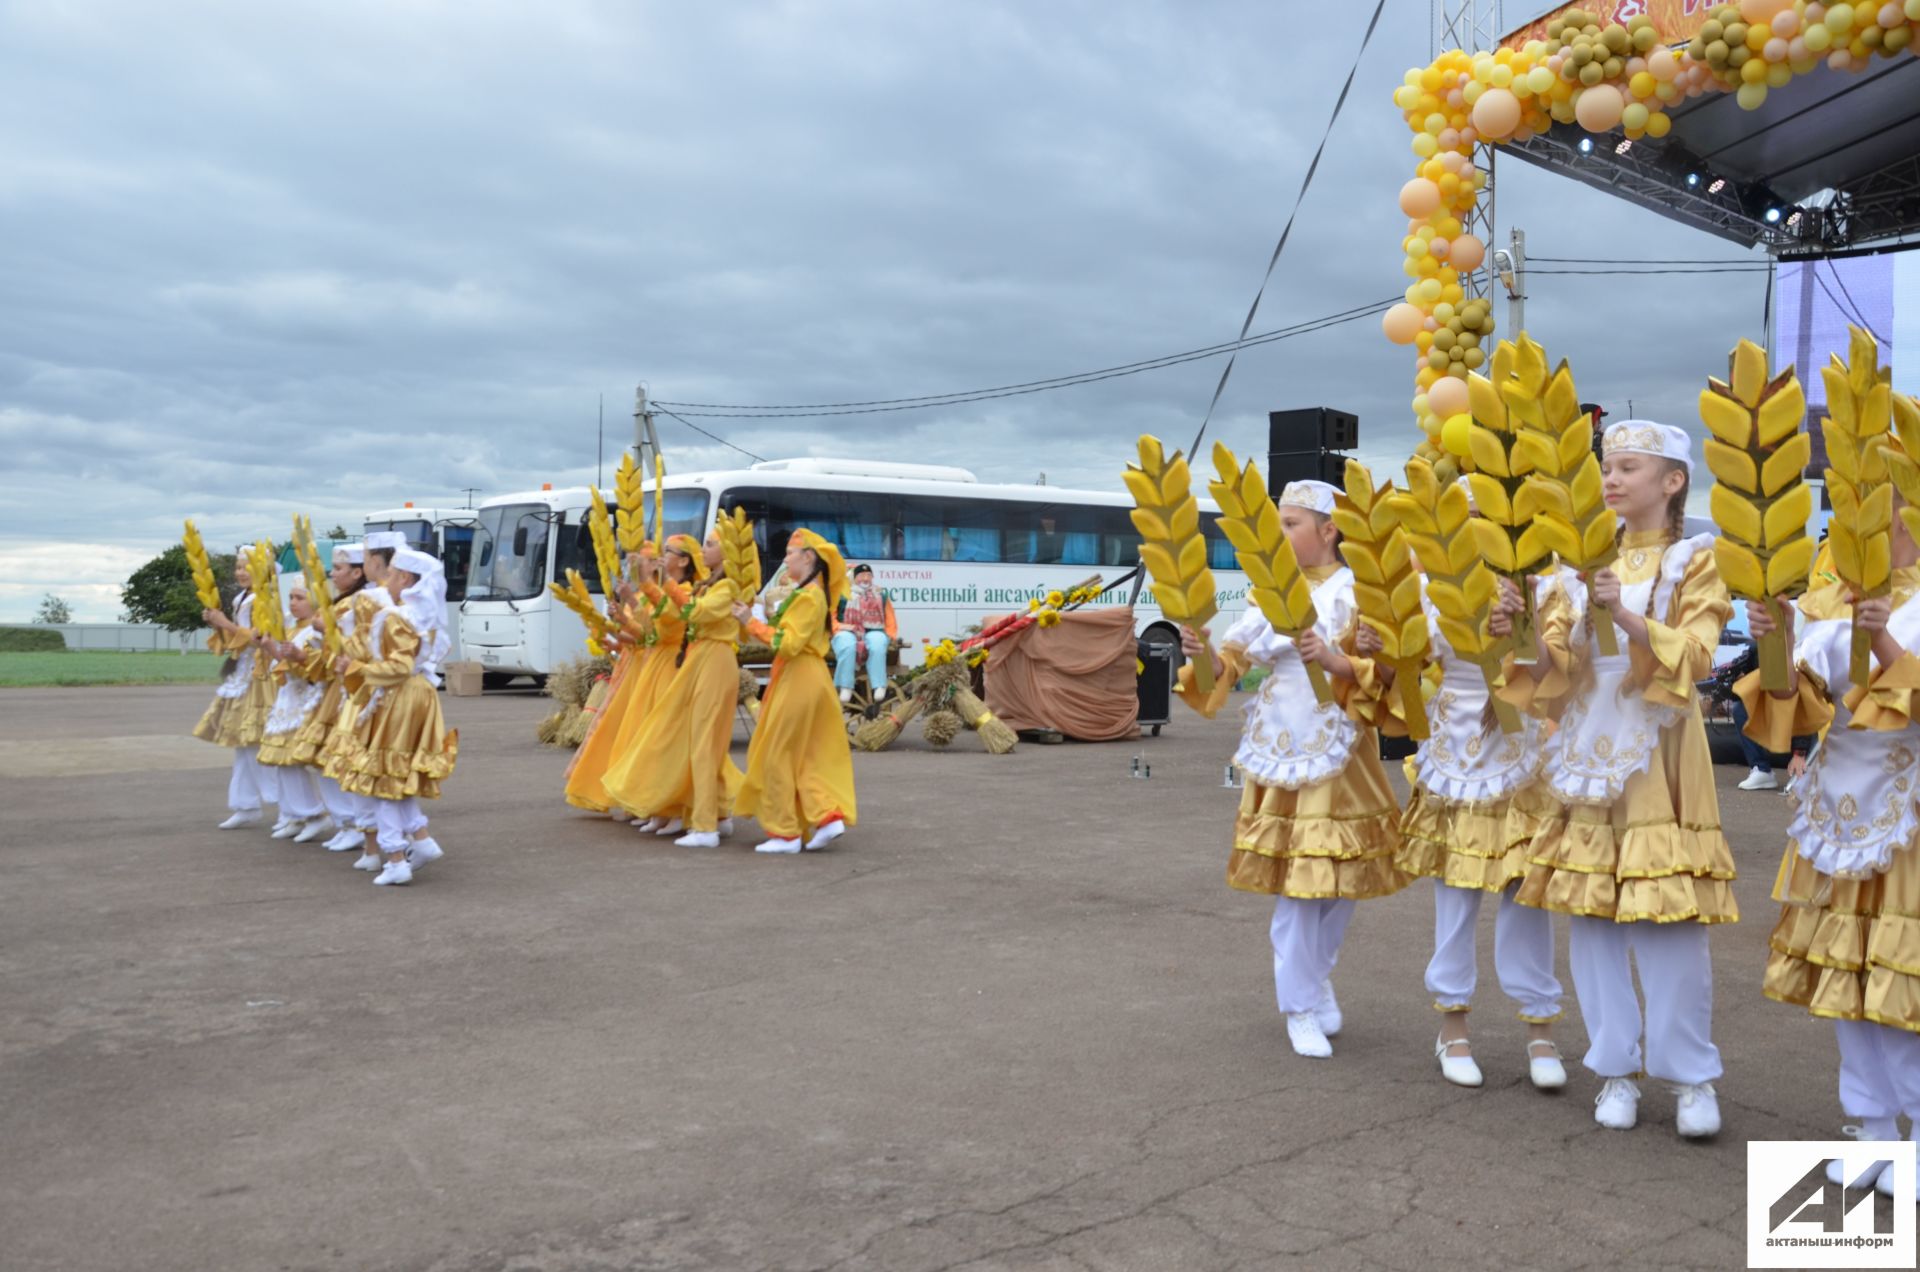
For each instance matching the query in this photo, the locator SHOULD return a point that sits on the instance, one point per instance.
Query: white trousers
(1306, 944)
(1879, 1071)
(1677, 975)
(1522, 953)
(397, 819)
(340, 804)
(252, 783)
(366, 812)
(299, 797)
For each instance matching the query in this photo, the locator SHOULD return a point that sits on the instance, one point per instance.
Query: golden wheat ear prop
(1758, 452)
(266, 591)
(1276, 586)
(205, 587)
(630, 499)
(1167, 517)
(1386, 587)
(740, 556)
(1859, 479)
(1436, 517)
(606, 549)
(1903, 460)
(1560, 498)
(319, 588)
(575, 596)
(1513, 542)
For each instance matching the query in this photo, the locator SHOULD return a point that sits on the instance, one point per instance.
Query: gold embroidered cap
(1314, 496)
(1644, 437)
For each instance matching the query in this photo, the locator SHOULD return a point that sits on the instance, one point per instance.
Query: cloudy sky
(272, 258)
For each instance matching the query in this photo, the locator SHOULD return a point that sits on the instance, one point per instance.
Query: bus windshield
(510, 552)
(418, 530)
(686, 513)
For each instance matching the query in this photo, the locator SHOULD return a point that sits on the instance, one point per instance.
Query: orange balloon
(1467, 253)
(1447, 397)
(1496, 114)
(1402, 323)
(1599, 108)
(1419, 198)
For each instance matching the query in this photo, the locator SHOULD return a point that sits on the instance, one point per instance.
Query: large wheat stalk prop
(577, 598)
(1276, 585)
(1386, 588)
(1903, 460)
(1859, 414)
(1510, 541)
(1561, 497)
(1168, 518)
(740, 556)
(266, 591)
(629, 494)
(606, 550)
(1758, 454)
(319, 591)
(204, 585)
(1438, 522)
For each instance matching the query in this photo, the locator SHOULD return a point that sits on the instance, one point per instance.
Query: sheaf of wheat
(606, 550)
(1859, 418)
(1758, 454)
(266, 591)
(1168, 518)
(319, 588)
(630, 497)
(1386, 587)
(1561, 497)
(1512, 543)
(575, 596)
(204, 585)
(740, 555)
(1903, 459)
(1277, 586)
(1437, 519)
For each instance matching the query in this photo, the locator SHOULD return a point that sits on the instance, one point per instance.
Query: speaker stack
(1309, 444)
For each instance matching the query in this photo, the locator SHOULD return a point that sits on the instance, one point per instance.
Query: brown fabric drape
(1077, 677)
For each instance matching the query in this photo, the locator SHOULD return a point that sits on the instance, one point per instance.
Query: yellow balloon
(1454, 433)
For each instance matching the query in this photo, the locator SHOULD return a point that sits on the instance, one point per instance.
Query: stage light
(1693, 179)
(1773, 216)
(1793, 220)
(1719, 184)
(1586, 145)
(1625, 145)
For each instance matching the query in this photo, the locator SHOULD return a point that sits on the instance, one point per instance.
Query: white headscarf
(425, 604)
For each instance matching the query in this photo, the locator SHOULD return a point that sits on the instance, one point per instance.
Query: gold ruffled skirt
(311, 738)
(1473, 845)
(238, 722)
(405, 750)
(1654, 855)
(1848, 949)
(1336, 839)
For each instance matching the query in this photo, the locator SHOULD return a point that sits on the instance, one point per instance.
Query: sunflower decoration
(978, 657)
(1055, 600)
(1048, 617)
(1033, 606)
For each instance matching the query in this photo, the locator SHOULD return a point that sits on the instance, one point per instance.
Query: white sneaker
(726, 827)
(347, 840)
(286, 827)
(1546, 1070)
(1327, 1011)
(1760, 780)
(1884, 1185)
(397, 872)
(1699, 1114)
(674, 827)
(826, 835)
(369, 861)
(846, 696)
(313, 830)
(243, 818)
(423, 852)
(650, 825)
(1459, 1070)
(778, 846)
(698, 839)
(1617, 1107)
(1304, 1032)
(1888, 1131)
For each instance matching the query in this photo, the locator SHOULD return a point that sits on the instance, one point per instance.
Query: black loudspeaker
(1312, 428)
(1283, 467)
(1156, 682)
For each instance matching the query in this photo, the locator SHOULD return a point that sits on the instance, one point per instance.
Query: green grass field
(106, 667)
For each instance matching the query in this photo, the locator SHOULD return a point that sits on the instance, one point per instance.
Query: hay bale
(941, 727)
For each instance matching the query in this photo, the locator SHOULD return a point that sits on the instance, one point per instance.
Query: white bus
(950, 550)
(446, 533)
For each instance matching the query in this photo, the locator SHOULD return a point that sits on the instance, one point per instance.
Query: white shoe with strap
(1545, 1067)
(1461, 1070)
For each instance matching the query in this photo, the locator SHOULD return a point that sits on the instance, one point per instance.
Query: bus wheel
(496, 679)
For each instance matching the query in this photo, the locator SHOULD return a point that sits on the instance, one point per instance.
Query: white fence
(131, 637)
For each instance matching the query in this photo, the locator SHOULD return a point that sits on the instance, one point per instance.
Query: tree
(338, 532)
(53, 610)
(161, 591)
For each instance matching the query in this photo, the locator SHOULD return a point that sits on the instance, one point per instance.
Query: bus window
(456, 557)
(418, 531)
(1051, 534)
(573, 550)
(1220, 554)
(949, 529)
(861, 523)
(499, 572)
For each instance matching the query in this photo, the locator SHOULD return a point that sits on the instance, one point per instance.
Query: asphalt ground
(1014, 1020)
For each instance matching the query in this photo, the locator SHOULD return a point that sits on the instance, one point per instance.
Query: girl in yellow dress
(799, 767)
(237, 719)
(665, 590)
(404, 750)
(300, 670)
(1318, 826)
(633, 648)
(1847, 944)
(1625, 826)
(348, 577)
(677, 766)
